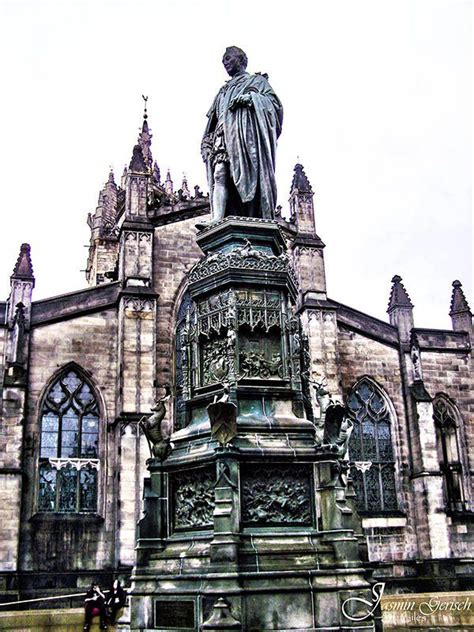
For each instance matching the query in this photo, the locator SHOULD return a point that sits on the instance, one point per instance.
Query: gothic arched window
(68, 461)
(370, 450)
(449, 454)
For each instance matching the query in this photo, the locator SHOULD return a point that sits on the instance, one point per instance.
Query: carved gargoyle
(337, 429)
(157, 429)
(334, 426)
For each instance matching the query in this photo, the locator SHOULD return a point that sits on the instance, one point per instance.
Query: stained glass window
(68, 463)
(447, 435)
(370, 450)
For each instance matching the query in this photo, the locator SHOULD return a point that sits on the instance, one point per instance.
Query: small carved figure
(333, 426)
(157, 429)
(323, 399)
(214, 256)
(247, 250)
(223, 417)
(197, 192)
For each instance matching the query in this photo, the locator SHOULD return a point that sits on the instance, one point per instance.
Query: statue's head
(234, 60)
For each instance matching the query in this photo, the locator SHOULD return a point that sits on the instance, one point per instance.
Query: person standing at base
(115, 601)
(94, 605)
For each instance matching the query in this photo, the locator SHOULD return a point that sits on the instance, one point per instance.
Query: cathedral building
(81, 371)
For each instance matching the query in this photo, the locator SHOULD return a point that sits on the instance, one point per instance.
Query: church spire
(460, 312)
(168, 183)
(185, 192)
(301, 202)
(145, 136)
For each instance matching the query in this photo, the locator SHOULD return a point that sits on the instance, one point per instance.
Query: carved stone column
(152, 528)
(224, 545)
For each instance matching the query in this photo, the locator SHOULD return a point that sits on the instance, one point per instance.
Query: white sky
(377, 99)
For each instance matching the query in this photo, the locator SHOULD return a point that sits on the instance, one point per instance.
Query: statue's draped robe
(250, 135)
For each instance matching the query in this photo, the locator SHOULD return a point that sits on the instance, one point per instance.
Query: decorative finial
(398, 295)
(145, 99)
(168, 186)
(300, 181)
(23, 268)
(459, 302)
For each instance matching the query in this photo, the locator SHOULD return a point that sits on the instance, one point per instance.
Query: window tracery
(370, 450)
(68, 461)
(449, 453)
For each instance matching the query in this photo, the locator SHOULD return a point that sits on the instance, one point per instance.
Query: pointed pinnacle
(156, 172)
(23, 268)
(300, 180)
(398, 295)
(137, 163)
(459, 302)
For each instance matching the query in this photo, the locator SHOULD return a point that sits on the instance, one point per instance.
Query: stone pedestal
(252, 535)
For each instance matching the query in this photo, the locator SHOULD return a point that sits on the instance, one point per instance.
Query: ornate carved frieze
(215, 364)
(193, 498)
(78, 464)
(276, 494)
(240, 307)
(247, 257)
(139, 305)
(255, 364)
(109, 230)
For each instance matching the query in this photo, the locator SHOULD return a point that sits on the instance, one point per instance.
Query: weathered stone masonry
(118, 336)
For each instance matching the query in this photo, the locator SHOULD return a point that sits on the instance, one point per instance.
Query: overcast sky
(377, 99)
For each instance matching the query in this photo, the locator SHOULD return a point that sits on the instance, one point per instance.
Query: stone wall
(176, 251)
(12, 407)
(359, 356)
(449, 371)
(73, 542)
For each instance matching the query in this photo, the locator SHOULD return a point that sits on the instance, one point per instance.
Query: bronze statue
(239, 142)
(157, 429)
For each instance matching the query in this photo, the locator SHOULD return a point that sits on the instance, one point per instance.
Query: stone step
(63, 620)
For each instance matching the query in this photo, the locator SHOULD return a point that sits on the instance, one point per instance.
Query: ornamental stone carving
(246, 257)
(254, 364)
(139, 305)
(215, 364)
(279, 494)
(193, 498)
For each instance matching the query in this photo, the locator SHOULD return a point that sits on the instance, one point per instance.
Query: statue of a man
(239, 143)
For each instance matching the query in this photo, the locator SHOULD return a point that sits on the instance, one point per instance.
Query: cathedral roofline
(73, 304)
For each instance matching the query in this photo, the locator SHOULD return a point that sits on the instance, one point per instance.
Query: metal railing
(68, 596)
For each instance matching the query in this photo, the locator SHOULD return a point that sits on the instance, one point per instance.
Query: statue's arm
(258, 94)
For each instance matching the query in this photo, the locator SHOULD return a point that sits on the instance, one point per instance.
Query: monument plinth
(247, 525)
